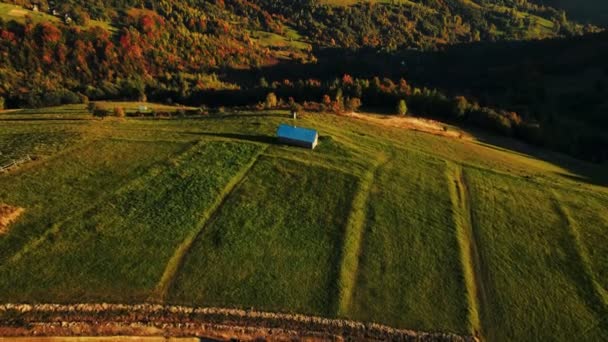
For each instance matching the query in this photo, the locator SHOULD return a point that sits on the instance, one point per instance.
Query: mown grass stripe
(353, 236)
(601, 297)
(174, 264)
(469, 255)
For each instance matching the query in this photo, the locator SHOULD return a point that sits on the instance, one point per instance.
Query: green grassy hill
(379, 223)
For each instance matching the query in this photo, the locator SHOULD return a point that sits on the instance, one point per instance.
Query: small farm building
(298, 136)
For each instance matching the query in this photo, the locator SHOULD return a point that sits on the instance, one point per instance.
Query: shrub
(402, 108)
(100, 112)
(336, 107)
(326, 101)
(263, 83)
(491, 119)
(119, 112)
(460, 106)
(83, 99)
(353, 104)
(294, 107)
(271, 101)
(50, 98)
(81, 17)
(69, 97)
(141, 97)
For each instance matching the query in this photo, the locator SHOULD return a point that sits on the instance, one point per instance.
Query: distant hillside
(125, 48)
(585, 11)
(187, 51)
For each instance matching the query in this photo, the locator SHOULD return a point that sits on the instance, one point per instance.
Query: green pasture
(481, 236)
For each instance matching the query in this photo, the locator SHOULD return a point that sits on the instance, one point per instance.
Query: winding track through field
(353, 236)
(161, 291)
(469, 253)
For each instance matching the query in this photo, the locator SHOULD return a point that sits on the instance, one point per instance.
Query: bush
(353, 104)
(491, 119)
(84, 99)
(2, 102)
(69, 97)
(96, 110)
(119, 112)
(81, 17)
(402, 108)
(294, 107)
(100, 112)
(460, 106)
(271, 101)
(50, 99)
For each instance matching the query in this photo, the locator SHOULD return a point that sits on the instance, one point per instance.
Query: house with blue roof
(298, 136)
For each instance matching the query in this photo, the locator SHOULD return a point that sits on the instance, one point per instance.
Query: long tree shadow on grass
(577, 170)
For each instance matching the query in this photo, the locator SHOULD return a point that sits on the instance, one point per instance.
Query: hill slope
(585, 11)
(174, 48)
(379, 223)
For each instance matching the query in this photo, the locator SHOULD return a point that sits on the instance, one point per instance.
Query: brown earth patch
(17, 13)
(415, 124)
(8, 215)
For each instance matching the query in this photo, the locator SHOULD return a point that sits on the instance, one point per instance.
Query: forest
(501, 65)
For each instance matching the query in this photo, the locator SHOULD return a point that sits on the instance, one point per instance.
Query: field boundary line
(353, 237)
(599, 293)
(174, 264)
(469, 252)
(176, 321)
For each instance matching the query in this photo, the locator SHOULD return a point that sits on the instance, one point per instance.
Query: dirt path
(147, 320)
(172, 268)
(469, 254)
(415, 124)
(353, 236)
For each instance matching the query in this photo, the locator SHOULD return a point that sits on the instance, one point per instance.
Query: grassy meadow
(379, 224)
(407, 212)
(290, 221)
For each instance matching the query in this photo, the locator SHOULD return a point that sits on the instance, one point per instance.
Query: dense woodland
(450, 59)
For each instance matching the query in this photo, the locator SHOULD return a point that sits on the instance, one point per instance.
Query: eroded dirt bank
(178, 321)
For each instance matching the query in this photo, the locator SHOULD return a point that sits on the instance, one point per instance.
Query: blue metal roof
(297, 133)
